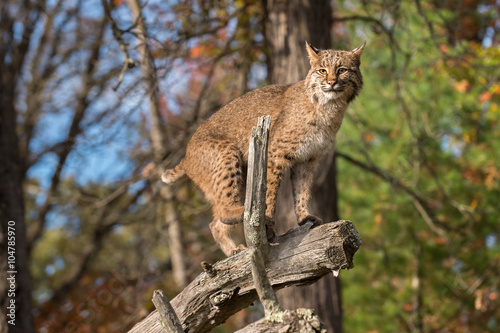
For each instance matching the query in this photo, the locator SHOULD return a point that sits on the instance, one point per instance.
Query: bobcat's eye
(322, 71)
(341, 70)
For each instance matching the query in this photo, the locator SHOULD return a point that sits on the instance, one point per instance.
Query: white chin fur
(327, 96)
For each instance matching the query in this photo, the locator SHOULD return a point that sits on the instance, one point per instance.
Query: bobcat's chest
(315, 144)
(318, 136)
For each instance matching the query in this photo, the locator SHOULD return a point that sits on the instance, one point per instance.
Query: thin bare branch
(149, 77)
(420, 204)
(38, 225)
(128, 62)
(103, 222)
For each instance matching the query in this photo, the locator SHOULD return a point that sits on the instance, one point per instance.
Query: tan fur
(305, 118)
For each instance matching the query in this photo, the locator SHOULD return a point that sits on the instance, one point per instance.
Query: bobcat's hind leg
(228, 182)
(216, 166)
(221, 233)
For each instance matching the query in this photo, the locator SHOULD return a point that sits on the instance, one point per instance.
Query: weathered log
(303, 256)
(300, 320)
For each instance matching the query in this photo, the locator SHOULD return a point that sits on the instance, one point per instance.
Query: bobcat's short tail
(171, 176)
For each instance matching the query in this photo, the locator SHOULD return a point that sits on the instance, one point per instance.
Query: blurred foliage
(419, 164)
(428, 116)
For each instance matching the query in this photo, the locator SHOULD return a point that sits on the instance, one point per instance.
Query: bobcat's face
(334, 75)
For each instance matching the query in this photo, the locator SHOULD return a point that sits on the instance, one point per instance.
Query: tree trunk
(288, 25)
(14, 267)
(151, 84)
(15, 288)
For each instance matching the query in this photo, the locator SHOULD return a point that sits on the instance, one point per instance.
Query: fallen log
(302, 256)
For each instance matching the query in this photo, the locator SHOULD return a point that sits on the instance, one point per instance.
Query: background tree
(407, 152)
(288, 24)
(14, 46)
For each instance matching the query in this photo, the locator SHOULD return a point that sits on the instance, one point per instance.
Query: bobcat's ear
(357, 52)
(312, 52)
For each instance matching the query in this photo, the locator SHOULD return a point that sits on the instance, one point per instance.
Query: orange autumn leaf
(486, 96)
(462, 86)
(407, 307)
(492, 176)
(199, 50)
(147, 169)
(368, 137)
(440, 240)
(195, 51)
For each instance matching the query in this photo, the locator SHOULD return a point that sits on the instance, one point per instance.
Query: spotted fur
(305, 118)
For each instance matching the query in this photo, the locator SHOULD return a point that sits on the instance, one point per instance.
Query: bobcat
(305, 118)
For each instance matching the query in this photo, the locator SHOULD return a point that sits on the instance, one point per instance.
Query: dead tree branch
(254, 219)
(168, 317)
(37, 227)
(300, 320)
(302, 257)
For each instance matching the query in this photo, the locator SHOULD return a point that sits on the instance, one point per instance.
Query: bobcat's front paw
(237, 250)
(311, 218)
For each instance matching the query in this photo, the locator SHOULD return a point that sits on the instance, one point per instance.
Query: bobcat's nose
(331, 82)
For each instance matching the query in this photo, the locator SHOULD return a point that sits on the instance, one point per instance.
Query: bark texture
(288, 25)
(300, 320)
(255, 206)
(302, 257)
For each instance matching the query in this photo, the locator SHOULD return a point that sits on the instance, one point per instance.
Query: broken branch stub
(254, 220)
(300, 320)
(255, 198)
(168, 318)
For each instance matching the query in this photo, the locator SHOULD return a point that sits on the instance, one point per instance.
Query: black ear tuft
(313, 48)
